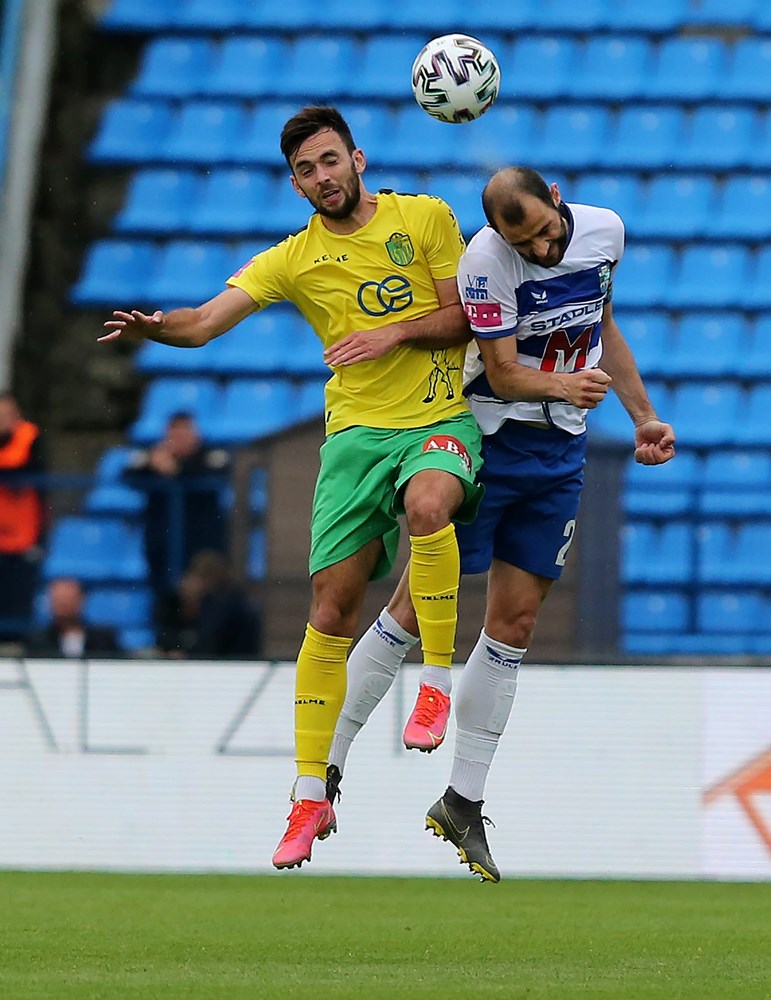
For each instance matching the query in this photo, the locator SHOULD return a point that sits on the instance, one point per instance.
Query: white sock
(373, 664)
(438, 677)
(483, 703)
(308, 787)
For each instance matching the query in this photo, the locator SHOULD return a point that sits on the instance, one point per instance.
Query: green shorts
(359, 492)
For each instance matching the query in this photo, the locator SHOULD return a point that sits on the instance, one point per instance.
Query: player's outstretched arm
(182, 327)
(654, 439)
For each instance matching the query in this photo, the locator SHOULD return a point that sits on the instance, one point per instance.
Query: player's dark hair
(308, 122)
(501, 195)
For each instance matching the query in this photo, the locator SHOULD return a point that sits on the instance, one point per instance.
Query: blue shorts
(527, 518)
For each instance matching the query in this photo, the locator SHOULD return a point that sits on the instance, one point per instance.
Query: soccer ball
(455, 78)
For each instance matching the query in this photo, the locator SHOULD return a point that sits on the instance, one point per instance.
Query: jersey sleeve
(618, 244)
(264, 277)
(443, 241)
(488, 295)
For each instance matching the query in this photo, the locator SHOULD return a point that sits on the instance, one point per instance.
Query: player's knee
(426, 514)
(332, 612)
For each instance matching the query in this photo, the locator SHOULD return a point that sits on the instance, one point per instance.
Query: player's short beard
(351, 190)
(561, 244)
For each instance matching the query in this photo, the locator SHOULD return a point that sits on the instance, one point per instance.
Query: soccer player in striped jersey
(536, 283)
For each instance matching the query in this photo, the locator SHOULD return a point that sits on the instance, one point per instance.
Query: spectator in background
(68, 634)
(184, 481)
(21, 517)
(208, 616)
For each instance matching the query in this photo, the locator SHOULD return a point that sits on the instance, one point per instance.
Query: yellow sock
(434, 579)
(319, 695)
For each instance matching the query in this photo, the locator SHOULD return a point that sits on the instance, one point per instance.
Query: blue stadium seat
(206, 132)
(572, 137)
(736, 483)
(542, 66)
(416, 140)
(749, 72)
(173, 67)
(158, 201)
(756, 293)
(319, 67)
(733, 218)
(256, 560)
(729, 612)
(188, 273)
(759, 156)
(491, 15)
(644, 276)
(463, 193)
(649, 335)
(699, 347)
(115, 274)
(119, 607)
(611, 422)
(136, 640)
(263, 344)
(711, 275)
(164, 396)
(224, 15)
(414, 15)
(139, 15)
(161, 359)
(233, 201)
(753, 427)
(737, 13)
(259, 141)
(95, 549)
(247, 66)
(131, 132)
(305, 357)
(676, 207)
(717, 137)
(364, 15)
(258, 491)
(662, 490)
(706, 413)
(687, 69)
(402, 181)
(657, 554)
(656, 611)
(253, 408)
(310, 400)
(387, 66)
(654, 17)
(621, 192)
(497, 139)
(615, 67)
(762, 18)
(114, 500)
(285, 212)
(371, 127)
(112, 464)
(734, 553)
(755, 360)
(643, 137)
(568, 16)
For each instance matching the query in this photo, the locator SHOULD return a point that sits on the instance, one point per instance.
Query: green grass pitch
(110, 937)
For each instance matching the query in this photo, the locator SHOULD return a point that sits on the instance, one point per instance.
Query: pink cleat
(426, 727)
(308, 821)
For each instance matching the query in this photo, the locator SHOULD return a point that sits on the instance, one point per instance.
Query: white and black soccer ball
(455, 78)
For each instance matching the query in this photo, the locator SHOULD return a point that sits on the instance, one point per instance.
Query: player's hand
(654, 442)
(362, 345)
(132, 326)
(586, 388)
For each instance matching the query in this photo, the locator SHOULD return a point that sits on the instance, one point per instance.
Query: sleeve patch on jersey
(242, 268)
(485, 315)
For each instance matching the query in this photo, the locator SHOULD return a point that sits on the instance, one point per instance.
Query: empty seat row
(235, 201)
(714, 553)
(574, 138)
(655, 16)
(726, 276)
(612, 68)
(241, 410)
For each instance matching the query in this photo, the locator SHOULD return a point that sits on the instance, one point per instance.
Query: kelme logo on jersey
(400, 249)
(391, 295)
(444, 442)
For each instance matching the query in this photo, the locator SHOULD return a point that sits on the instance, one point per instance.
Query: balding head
(502, 198)
(524, 210)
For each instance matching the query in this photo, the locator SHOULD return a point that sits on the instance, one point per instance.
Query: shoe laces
(301, 813)
(430, 703)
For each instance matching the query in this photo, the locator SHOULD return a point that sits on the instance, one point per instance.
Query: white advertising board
(158, 766)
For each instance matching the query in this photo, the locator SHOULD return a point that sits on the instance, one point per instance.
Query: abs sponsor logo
(444, 442)
(391, 295)
(485, 315)
(477, 290)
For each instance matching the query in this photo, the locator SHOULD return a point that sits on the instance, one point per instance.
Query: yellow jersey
(382, 273)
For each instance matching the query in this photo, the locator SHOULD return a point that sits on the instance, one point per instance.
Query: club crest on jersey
(444, 442)
(603, 272)
(400, 249)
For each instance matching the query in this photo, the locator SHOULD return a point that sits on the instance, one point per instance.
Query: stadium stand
(657, 109)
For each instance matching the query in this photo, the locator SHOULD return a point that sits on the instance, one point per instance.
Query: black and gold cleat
(461, 822)
(334, 777)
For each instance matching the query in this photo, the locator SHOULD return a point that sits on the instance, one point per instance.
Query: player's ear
(359, 161)
(296, 186)
(555, 193)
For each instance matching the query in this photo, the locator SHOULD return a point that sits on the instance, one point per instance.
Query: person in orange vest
(21, 518)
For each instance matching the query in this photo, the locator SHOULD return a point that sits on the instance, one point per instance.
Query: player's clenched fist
(133, 326)
(586, 388)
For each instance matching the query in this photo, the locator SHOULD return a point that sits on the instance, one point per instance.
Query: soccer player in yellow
(374, 274)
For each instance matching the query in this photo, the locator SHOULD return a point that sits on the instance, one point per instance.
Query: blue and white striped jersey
(554, 312)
